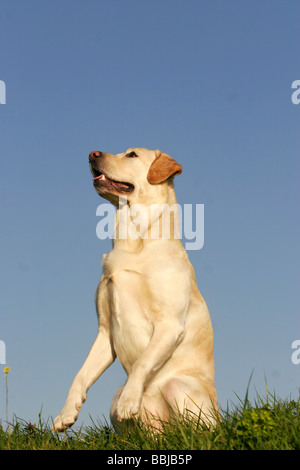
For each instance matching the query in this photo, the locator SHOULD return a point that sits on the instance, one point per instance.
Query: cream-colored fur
(152, 316)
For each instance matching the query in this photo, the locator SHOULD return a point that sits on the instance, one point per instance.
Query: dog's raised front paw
(66, 417)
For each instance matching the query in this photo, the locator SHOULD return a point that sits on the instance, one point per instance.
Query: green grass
(267, 424)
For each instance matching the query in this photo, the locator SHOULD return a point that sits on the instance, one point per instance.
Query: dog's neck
(140, 224)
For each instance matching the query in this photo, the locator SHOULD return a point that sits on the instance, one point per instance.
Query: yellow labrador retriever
(152, 316)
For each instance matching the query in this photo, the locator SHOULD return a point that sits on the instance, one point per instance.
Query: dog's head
(136, 174)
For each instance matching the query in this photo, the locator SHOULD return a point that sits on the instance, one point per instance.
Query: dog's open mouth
(101, 180)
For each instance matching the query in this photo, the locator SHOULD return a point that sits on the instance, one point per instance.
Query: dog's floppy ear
(162, 168)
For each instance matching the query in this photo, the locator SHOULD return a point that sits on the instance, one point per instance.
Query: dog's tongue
(117, 185)
(101, 177)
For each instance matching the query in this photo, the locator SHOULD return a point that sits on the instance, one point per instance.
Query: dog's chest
(130, 318)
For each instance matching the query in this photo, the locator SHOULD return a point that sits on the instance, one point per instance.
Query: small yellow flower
(6, 370)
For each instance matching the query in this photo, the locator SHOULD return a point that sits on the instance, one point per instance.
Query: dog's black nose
(95, 154)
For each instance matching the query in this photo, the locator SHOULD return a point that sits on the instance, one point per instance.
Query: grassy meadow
(267, 424)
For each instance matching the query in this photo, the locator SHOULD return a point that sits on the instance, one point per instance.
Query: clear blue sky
(208, 82)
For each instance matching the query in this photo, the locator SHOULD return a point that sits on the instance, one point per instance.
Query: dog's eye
(131, 155)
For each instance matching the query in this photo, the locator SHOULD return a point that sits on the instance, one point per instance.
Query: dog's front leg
(99, 358)
(166, 337)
